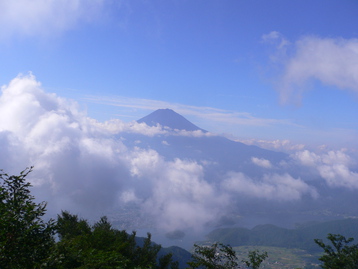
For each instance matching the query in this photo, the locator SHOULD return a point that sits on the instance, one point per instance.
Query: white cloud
(332, 61)
(271, 187)
(281, 145)
(81, 166)
(280, 43)
(179, 195)
(44, 17)
(333, 166)
(261, 162)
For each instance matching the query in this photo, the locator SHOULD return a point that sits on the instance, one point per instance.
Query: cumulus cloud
(332, 61)
(83, 166)
(179, 194)
(272, 186)
(69, 153)
(281, 145)
(333, 166)
(43, 17)
(261, 162)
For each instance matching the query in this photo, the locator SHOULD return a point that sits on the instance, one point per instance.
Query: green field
(281, 257)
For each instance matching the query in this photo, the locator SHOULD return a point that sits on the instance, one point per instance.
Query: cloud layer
(81, 166)
(85, 166)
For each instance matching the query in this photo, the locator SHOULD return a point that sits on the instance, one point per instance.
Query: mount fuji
(169, 118)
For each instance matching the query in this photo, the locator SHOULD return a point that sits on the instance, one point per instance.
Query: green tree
(216, 256)
(341, 255)
(102, 246)
(25, 238)
(255, 259)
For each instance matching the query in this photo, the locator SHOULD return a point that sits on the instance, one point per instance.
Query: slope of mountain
(180, 255)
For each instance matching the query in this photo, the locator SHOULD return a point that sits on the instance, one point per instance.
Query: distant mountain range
(301, 237)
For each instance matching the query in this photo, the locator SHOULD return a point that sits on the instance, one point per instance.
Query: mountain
(264, 186)
(169, 118)
(228, 155)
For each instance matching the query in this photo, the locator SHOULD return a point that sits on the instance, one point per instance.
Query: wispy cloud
(332, 61)
(206, 113)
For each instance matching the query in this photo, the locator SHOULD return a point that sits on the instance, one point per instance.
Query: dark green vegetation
(220, 256)
(341, 254)
(254, 259)
(102, 246)
(26, 241)
(216, 256)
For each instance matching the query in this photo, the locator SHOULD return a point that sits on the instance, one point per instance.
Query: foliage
(102, 246)
(25, 239)
(216, 256)
(341, 255)
(255, 259)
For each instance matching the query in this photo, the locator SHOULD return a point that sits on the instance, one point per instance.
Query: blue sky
(262, 70)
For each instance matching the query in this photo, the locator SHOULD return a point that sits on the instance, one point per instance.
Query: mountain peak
(169, 118)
